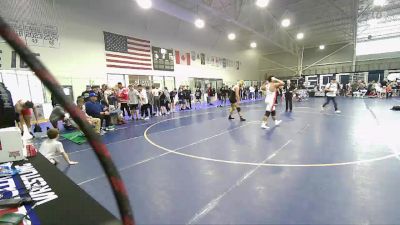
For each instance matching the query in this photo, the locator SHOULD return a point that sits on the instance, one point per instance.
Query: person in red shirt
(123, 99)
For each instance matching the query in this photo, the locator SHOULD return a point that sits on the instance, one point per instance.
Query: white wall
(80, 59)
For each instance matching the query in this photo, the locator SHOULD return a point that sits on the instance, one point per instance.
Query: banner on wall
(36, 34)
(163, 59)
(237, 65)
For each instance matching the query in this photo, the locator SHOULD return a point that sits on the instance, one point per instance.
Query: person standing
(181, 97)
(234, 98)
(331, 90)
(289, 90)
(150, 99)
(187, 93)
(172, 95)
(197, 95)
(156, 96)
(123, 99)
(143, 102)
(167, 100)
(271, 89)
(133, 96)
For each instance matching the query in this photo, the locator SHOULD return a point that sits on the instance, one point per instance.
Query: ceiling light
(322, 47)
(285, 22)
(380, 3)
(145, 4)
(300, 36)
(199, 23)
(262, 3)
(231, 36)
(253, 45)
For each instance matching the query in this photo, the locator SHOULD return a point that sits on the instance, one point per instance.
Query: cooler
(11, 145)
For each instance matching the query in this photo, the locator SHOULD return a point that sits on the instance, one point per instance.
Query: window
(15, 81)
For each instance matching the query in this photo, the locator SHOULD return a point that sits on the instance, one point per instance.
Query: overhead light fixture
(262, 3)
(285, 22)
(380, 3)
(322, 47)
(231, 36)
(300, 36)
(199, 23)
(253, 44)
(145, 4)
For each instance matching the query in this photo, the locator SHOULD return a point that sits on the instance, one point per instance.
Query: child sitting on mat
(50, 148)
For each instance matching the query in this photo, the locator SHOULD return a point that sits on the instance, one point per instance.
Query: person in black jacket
(197, 95)
(7, 110)
(181, 97)
(188, 97)
(172, 95)
(289, 90)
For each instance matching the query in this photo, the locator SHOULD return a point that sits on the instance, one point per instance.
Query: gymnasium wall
(80, 58)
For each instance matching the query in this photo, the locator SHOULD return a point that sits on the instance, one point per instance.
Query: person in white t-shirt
(144, 102)
(133, 101)
(331, 91)
(51, 148)
(156, 95)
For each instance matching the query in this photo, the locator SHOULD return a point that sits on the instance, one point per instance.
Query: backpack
(396, 108)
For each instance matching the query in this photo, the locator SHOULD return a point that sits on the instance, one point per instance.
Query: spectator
(133, 96)
(389, 91)
(144, 102)
(188, 97)
(167, 100)
(172, 95)
(181, 97)
(96, 122)
(156, 98)
(86, 93)
(50, 148)
(209, 95)
(163, 103)
(252, 93)
(197, 95)
(96, 110)
(150, 99)
(123, 99)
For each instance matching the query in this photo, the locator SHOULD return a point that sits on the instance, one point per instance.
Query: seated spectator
(96, 110)
(50, 148)
(95, 122)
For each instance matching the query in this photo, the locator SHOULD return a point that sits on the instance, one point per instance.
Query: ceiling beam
(275, 39)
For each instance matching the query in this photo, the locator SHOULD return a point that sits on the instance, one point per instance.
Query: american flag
(127, 52)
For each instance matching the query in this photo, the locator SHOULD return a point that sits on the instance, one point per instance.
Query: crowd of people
(105, 107)
(373, 89)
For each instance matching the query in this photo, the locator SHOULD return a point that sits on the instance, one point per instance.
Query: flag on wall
(183, 59)
(127, 52)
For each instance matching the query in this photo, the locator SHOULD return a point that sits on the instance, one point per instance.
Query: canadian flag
(183, 59)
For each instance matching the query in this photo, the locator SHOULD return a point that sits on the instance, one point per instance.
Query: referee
(289, 90)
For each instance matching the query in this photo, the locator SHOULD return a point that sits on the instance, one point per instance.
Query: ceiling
(322, 21)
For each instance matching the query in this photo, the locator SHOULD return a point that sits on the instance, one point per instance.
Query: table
(58, 199)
